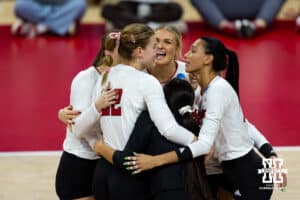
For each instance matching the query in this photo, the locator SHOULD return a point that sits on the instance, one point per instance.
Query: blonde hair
(178, 38)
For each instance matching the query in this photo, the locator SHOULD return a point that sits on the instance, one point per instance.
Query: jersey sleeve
(161, 114)
(216, 104)
(256, 135)
(81, 93)
(260, 142)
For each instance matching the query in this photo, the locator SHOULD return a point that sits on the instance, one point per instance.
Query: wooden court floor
(33, 177)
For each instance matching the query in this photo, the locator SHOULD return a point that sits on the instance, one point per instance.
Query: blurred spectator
(155, 13)
(241, 18)
(37, 17)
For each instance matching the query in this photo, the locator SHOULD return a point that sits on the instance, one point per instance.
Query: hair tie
(115, 35)
(185, 109)
(132, 38)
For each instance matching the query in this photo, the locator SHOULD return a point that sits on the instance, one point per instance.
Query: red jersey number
(114, 110)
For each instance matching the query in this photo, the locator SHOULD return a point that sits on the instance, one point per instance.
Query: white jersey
(223, 123)
(180, 71)
(81, 99)
(140, 91)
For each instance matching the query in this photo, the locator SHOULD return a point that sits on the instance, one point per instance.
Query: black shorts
(74, 177)
(117, 184)
(216, 181)
(242, 174)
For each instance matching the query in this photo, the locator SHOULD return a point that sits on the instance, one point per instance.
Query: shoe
(32, 33)
(72, 30)
(16, 27)
(248, 29)
(231, 28)
(239, 28)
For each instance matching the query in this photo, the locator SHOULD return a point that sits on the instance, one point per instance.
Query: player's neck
(133, 63)
(205, 78)
(164, 72)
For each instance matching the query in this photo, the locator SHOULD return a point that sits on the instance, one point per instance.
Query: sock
(249, 29)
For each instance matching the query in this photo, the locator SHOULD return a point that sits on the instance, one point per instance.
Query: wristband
(267, 150)
(184, 154)
(118, 158)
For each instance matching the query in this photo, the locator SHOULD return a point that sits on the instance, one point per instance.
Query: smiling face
(196, 58)
(167, 48)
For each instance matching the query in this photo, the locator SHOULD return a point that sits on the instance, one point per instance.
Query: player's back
(132, 85)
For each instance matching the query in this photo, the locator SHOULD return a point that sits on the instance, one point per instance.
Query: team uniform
(234, 138)
(140, 91)
(78, 161)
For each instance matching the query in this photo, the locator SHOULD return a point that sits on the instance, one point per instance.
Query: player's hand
(106, 99)
(98, 147)
(68, 114)
(139, 163)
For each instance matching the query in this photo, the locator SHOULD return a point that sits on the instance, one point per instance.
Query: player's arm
(260, 142)
(137, 142)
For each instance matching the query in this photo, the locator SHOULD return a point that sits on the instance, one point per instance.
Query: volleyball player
(78, 161)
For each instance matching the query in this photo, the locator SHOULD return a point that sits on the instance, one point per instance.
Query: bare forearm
(166, 158)
(105, 151)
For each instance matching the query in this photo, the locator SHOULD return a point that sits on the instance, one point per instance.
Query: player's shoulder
(219, 88)
(148, 82)
(219, 83)
(87, 73)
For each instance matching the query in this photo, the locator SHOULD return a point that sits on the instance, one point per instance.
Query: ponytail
(232, 73)
(111, 43)
(191, 122)
(107, 62)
